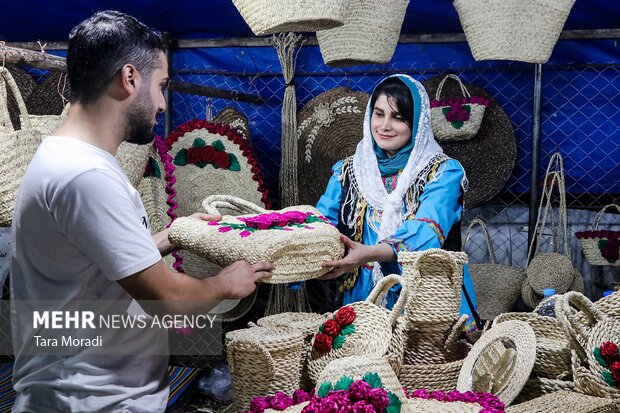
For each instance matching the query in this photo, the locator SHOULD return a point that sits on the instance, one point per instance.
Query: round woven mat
(489, 157)
(26, 85)
(329, 128)
(235, 119)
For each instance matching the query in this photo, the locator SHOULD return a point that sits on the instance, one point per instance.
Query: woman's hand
(357, 254)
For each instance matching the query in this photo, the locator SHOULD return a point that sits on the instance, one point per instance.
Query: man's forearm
(163, 243)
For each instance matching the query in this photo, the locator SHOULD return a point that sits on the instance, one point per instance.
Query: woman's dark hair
(396, 89)
(101, 45)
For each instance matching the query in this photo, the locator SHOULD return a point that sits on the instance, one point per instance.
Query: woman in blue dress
(398, 192)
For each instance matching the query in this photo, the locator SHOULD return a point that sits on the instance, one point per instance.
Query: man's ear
(130, 79)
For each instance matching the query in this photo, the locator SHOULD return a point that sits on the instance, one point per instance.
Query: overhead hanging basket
(369, 35)
(278, 16)
(601, 247)
(522, 30)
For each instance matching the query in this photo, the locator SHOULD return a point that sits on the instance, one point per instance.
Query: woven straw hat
(329, 128)
(369, 35)
(235, 119)
(494, 143)
(279, 16)
(523, 30)
(501, 361)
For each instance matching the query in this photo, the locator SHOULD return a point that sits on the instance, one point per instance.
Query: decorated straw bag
(16, 146)
(595, 339)
(133, 158)
(263, 360)
(235, 119)
(551, 269)
(501, 361)
(360, 328)
(457, 118)
(601, 247)
(522, 30)
(369, 34)
(297, 240)
(278, 16)
(563, 401)
(497, 286)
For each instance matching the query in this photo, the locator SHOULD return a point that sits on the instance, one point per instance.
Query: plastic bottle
(608, 292)
(548, 309)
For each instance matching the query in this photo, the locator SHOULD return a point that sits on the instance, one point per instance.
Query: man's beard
(138, 128)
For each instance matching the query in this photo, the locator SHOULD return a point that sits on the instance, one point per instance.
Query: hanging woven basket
(522, 30)
(279, 16)
(369, 35)
(601, 247)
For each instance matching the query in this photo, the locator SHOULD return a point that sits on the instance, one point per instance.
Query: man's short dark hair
(101, 45)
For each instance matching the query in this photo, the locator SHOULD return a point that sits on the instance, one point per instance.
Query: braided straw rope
(522, 30)
(590, 245)
(374, 326)
(501, 361)
(566, 401)
(436, 406)
(263, 361)
(276, 16)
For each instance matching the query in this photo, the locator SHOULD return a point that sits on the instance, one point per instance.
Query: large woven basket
(262, 361)
(522, 30)
(601, 247)
(235, 119)
(276, 16)
(369, 35)
(363, 327)
(133, 158)
(566, 401)
(537, 386)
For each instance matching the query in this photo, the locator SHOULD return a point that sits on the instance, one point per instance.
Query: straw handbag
(360, 328)
(595, 339)
(601, 247)
(457, 118)
(297, 240)
(497, 286)
(277, 16)
(566, 401)
(522, 30)
(369, 35)
(17, 147)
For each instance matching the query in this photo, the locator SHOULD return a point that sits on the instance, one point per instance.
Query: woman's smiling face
(389, 128)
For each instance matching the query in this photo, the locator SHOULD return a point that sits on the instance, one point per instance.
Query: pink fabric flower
(300, 396)
(245, 233)
(358, 390)
(379, 399)
(296, 217)
(281, 401)
(363, 407)
(212, 223)
(312, 407)
(328, 406)
(463, 115)
(258, 405)
(224, 229)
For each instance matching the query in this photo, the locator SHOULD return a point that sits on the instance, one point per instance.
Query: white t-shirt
(80, 226)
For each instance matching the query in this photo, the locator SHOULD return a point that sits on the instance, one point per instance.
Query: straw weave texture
(564, 402)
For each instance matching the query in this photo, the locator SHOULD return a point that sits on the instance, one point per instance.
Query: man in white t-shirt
(79, 230)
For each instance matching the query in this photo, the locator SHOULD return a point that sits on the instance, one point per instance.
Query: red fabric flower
(193, 155)
(610, 352)
(615, 370)
(207, 153)
(322, 343)
(222, 160)
(345, 316)
(331, 328)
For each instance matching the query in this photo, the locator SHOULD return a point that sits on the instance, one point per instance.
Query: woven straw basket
(235, 119)
(277, 16)
(566, 401)
(522, 30)
(262, 361)
(369, 35)
(587, 335)
(298, 240)
(594, 242)
(539, 386)
(152, 189)
(368, 333)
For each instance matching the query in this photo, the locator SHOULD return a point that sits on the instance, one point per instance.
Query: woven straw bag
(458, 118)
(133, 158)
(297, 240)
(522, 30)
(360, 328)
(46, 124)
(601, 247)
(566, 401)
(278, 16)
(539, 386)
(369, 34)
(262, 361)
(592, 370)
(17, 147)
(497, 286)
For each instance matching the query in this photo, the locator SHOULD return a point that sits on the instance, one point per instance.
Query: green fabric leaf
(599, 357)
(457, 125)
(201, 164)
(321, 329)
(467, 108)
(348, 329)
(395, 403)
(234, 166)
(343, 383)
(373, 380)
(199, 143)
(338, 341)
(445, 110)
(324, 388)
(602, 243)
(608, 377)
(218, 145)
(180, 158)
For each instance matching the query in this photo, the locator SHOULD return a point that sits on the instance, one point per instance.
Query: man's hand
(206, 217)
(164, 245)
(239, 278)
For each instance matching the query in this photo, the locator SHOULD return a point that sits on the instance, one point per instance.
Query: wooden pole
(14, 55)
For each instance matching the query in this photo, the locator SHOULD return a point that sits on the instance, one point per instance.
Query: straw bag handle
(213, 202)
(485, 231)
(455, 77)
(7, 78)
(232, 350)
(599, 215)
(455, 333)
(382, 288)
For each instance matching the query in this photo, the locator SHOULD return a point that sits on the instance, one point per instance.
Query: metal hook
(209, 109)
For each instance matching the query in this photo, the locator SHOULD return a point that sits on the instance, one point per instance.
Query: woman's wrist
(381, 252)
